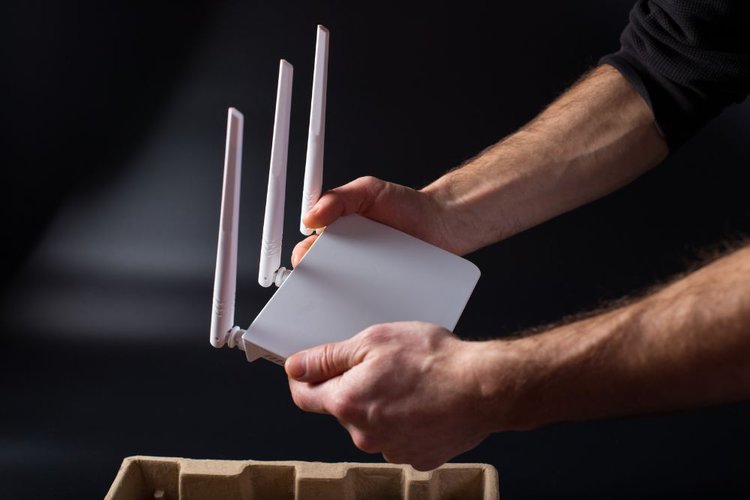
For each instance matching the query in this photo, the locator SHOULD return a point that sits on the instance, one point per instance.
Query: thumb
(323, 362)
(356, 197)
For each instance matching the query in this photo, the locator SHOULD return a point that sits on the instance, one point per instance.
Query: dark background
(113, 121)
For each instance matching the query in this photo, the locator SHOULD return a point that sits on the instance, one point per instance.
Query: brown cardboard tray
(150, 478)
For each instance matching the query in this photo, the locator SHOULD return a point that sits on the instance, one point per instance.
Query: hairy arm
(595, 138)
(685, 346)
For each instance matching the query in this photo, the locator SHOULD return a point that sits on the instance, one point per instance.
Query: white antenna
(317, 131)
(223, 330)
(225, 280)
(273, 224)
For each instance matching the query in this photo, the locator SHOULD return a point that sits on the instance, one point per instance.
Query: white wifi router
(357, 273)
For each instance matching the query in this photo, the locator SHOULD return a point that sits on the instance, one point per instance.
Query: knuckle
(299, 400)
(369, 188)
(346, 407)
(375, 333)
(368, 181)
(326, 359)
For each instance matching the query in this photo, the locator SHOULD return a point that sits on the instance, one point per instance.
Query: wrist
(503, 373)
(442, 218)
(460, 231)
(488, 197)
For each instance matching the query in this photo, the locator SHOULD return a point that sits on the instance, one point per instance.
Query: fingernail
(296, 366)
(311, 213)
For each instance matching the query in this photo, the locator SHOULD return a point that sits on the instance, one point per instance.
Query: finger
(420, 463)
(362, 441)
(425, 464)
(324, 362)
(355, 197)
(301, 249)
(312, 398)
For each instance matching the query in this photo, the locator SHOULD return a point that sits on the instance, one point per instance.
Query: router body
(360, 273)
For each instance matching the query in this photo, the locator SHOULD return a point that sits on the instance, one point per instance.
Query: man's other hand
(412, 211)
(407, 390)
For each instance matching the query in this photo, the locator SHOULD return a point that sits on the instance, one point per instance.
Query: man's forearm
(597, 137)
(684, 346)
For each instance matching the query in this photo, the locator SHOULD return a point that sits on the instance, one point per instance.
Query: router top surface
(359, 273)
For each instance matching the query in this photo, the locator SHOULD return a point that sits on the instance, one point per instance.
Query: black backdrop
(113, 121)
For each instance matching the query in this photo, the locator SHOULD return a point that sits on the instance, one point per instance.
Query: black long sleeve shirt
(688, 59)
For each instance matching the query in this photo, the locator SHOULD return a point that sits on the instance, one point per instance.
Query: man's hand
(416, 212)
(407, 390)
(421, 396)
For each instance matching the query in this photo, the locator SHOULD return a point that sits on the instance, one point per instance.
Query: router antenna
(273, 222)
(317, 131)
(225, 280)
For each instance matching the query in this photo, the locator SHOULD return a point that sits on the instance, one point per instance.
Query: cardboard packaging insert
(159, 478)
